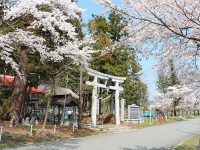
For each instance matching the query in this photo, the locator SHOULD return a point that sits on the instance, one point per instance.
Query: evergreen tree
(119, 62)
(173, 79)
(167, 77)
(162, 81)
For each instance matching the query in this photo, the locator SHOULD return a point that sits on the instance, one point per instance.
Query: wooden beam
(104, 86)
(95, 73)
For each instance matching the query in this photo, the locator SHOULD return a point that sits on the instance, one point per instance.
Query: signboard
(133, 112)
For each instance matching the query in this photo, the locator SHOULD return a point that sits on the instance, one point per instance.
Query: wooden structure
(61, 99)
(116, 81)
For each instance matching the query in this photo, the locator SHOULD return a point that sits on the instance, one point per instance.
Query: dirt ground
(21, 134)
(103, 117)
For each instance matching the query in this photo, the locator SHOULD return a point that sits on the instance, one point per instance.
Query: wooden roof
(59, 100)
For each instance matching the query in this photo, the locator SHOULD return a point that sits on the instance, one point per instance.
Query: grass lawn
(147, 120)
(146, 123)
(191, 144)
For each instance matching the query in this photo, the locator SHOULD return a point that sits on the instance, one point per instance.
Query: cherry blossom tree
(177, 97)
(42, 28)
(174, 24)
(167, 28)
(163, 103)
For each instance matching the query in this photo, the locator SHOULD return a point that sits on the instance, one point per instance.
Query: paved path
(153, 138)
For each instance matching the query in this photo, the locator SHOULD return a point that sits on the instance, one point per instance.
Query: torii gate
(95, 85)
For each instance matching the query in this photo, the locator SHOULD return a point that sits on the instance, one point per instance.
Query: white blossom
(186, 97)
(50, 16)
(168, 29)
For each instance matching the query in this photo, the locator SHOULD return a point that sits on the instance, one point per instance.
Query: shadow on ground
(52, 145)
(145, 148)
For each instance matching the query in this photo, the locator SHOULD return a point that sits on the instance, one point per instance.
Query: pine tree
(162, 81)
(173, 79)
(167, 77)
(119, 62)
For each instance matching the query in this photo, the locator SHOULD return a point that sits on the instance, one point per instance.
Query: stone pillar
(117, 117)
(94, 103)
(122, 109)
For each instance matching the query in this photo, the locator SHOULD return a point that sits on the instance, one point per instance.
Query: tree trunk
(80, 108)
(174, 111)
(18, 98)
(46, 113)
(48, 104)
(19, 88)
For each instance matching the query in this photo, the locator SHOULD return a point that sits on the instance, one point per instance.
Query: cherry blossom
(168, 29)
(52, 19)
(186, 97)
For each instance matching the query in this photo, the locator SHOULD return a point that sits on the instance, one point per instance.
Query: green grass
(191, 144)
(154, 123)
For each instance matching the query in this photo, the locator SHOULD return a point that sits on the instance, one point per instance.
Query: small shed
(64, 95)
(60, 96)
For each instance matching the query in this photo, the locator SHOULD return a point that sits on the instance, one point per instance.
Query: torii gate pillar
(117, 117)
(94, 102)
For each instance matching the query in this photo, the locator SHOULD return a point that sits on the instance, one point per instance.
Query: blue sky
(149, 75)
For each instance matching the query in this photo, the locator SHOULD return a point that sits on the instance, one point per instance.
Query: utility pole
(80, 108)
(141, 96)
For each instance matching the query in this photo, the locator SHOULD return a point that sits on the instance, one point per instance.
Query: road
(153, 138)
